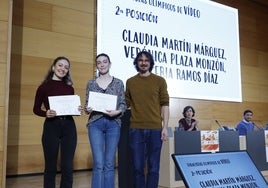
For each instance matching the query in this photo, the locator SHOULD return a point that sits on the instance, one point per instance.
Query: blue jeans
(145, 145)
(104, 136)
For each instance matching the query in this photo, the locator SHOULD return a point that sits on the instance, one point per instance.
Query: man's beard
(142, 70)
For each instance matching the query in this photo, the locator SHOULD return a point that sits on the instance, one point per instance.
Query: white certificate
(101, 102)
(65, 104)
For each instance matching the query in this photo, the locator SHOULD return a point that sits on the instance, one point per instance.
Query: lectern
(189, 142)
(255, 142)
(125, 179)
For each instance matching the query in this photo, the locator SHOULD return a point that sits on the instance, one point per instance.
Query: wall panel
(41, 43)
(2, 83)
(3, 41)
(3, 168)
(69, 21)
(5, 46)
(4, 13)
(26, 130)
(79, 5)
(262, 59)
(43, 30)
(25, 157)
(2, 133)
(252, 74)
(32, 14)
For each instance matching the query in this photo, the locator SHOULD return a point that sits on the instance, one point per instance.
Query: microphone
(221, 128)
(224, 128)
(258, 127)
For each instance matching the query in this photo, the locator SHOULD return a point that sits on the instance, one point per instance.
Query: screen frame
(209, 154)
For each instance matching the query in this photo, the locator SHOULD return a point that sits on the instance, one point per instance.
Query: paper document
(65, 104)
(209, 141)
(101, 102)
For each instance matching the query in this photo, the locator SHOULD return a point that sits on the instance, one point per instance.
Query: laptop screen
(219, 170)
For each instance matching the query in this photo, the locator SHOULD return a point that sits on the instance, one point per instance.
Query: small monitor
(219, 170)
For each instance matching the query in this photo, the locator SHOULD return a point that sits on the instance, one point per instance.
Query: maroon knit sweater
(50, 88)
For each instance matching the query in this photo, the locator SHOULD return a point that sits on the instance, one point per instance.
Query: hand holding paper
(102, 102)
(65, 104)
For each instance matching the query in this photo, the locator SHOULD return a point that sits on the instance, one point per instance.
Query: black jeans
(59, 133)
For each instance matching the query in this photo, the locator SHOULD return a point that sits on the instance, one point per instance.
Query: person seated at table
(188, 123)
(246, 124)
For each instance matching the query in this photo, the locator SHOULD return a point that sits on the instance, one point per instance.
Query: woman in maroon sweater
(188, 123)
(59, 132)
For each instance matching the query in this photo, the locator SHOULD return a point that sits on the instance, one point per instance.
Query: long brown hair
(67, 79)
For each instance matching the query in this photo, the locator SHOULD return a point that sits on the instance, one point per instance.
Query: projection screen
(195, 44)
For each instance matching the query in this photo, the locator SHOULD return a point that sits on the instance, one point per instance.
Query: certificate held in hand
(102, 102)
(65, 104)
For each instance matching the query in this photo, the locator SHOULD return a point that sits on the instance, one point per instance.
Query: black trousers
(59, 134)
